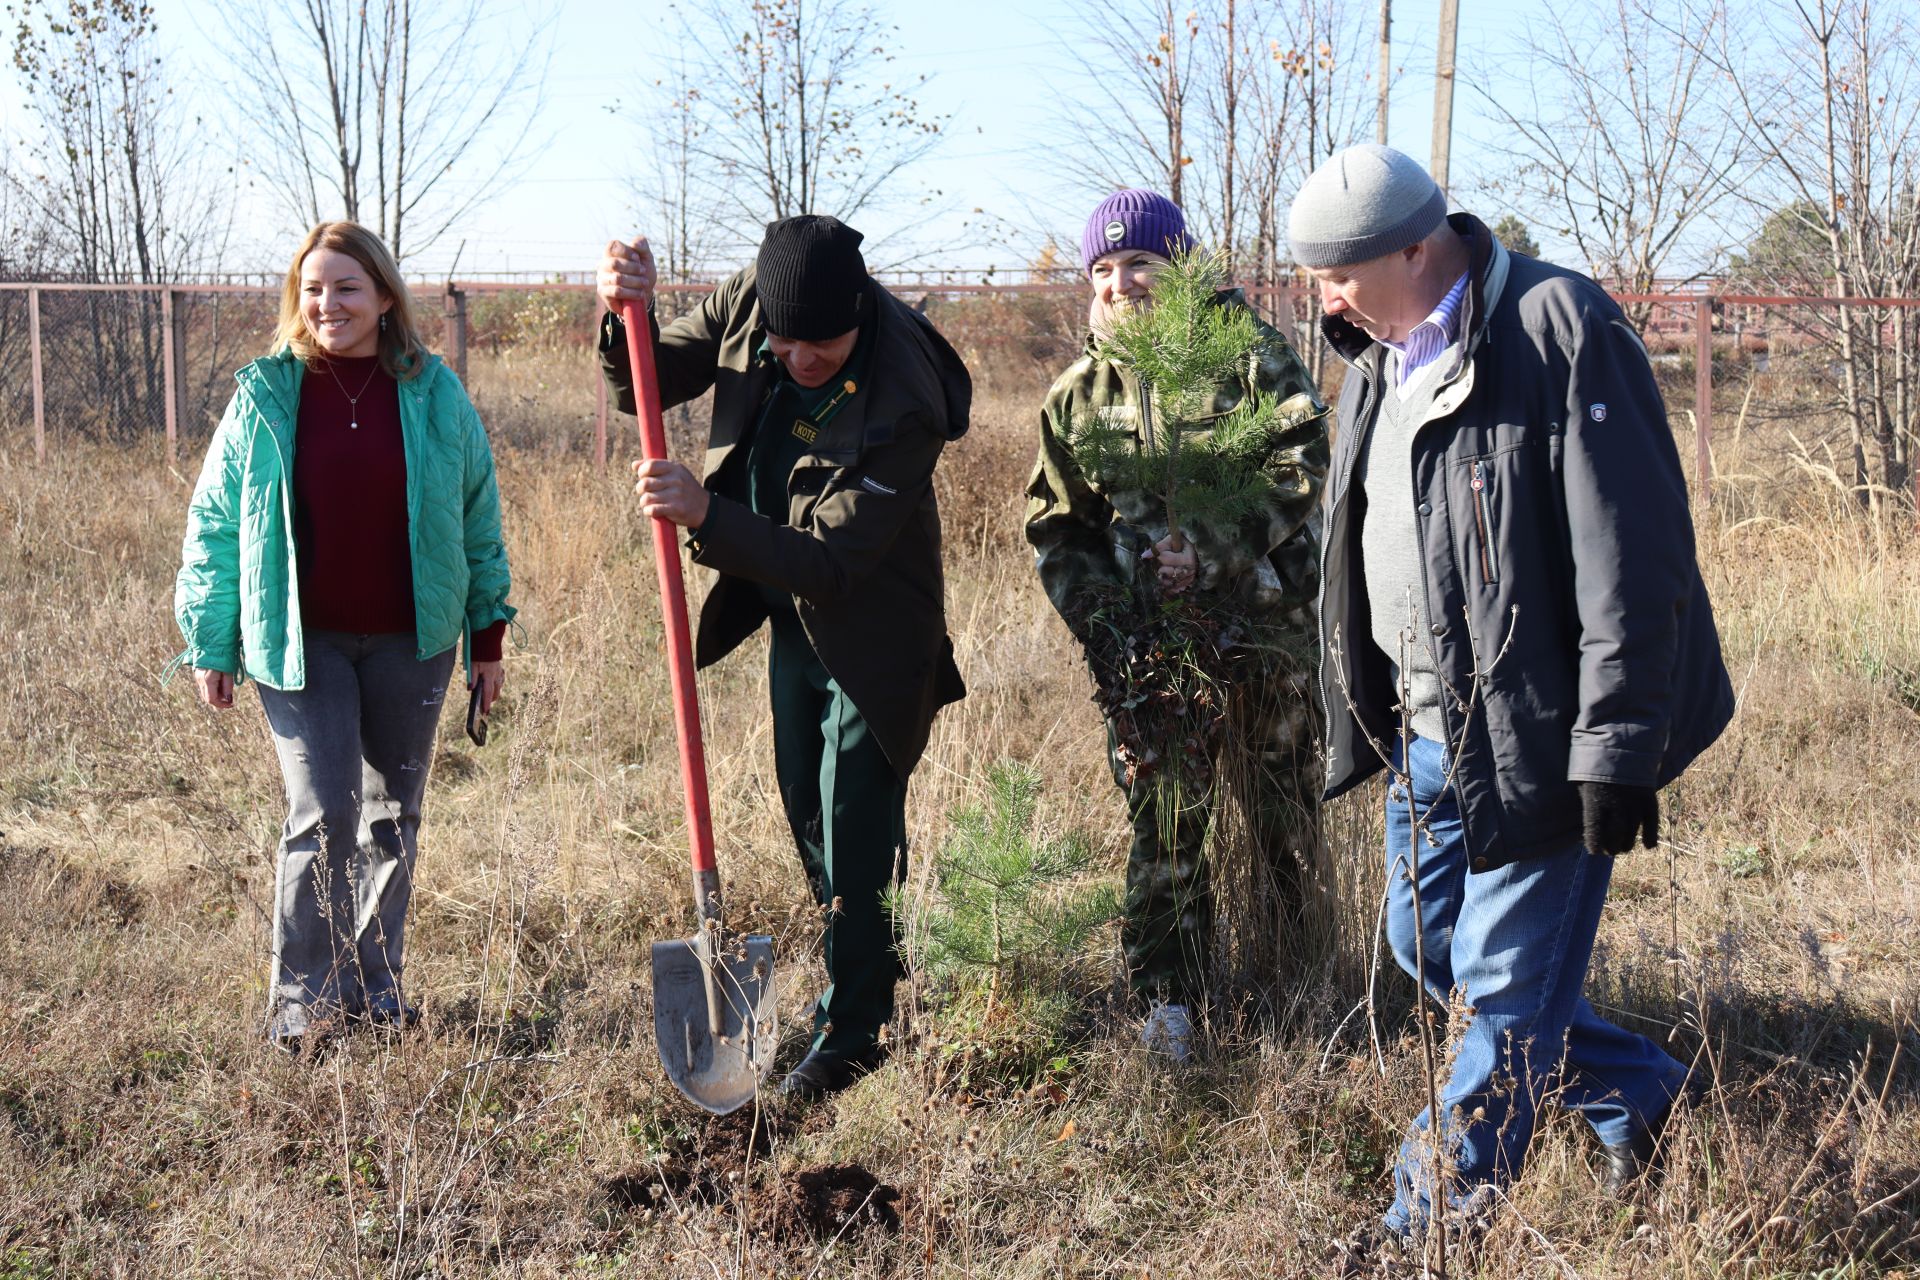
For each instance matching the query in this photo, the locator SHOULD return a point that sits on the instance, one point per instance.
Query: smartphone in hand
(476, 718)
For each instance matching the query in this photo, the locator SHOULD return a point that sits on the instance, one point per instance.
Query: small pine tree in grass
(1008, 928)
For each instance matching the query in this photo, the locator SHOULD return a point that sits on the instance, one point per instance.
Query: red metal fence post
(39, 386)
(169, 360)
(1703, 396)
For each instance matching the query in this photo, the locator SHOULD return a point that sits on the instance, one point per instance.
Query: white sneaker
(1169, 1030)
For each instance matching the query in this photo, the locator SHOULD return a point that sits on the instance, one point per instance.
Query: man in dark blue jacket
(1514, 623)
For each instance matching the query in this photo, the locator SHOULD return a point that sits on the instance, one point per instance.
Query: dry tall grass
(145, 1128)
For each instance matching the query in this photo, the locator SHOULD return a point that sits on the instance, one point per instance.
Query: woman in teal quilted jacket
(343, 537)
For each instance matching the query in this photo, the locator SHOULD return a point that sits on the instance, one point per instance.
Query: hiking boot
(823, 1073)
(1168, 1030)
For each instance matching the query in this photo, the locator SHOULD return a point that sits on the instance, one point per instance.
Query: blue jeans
(1515, 942)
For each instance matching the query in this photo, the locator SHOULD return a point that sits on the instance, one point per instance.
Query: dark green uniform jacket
(860, 551)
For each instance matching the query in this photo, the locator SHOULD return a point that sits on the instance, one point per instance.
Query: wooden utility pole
(1443, 90)
(1386, 68)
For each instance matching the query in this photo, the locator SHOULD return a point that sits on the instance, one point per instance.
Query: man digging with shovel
(831, 403)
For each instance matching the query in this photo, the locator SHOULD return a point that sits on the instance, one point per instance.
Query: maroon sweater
(350, 505)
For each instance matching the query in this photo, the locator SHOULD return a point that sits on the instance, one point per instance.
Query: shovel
(713, 998)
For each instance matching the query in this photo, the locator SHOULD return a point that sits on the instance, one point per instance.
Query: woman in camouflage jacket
(1096, 541)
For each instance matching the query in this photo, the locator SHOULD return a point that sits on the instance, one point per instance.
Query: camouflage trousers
(1272, 741)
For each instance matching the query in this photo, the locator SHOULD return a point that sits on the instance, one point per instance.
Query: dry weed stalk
(1400, 774)
(437, 1151)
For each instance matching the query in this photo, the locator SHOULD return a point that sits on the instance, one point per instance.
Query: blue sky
(998, 67)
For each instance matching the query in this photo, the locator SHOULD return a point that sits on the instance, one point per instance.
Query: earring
(383, 322)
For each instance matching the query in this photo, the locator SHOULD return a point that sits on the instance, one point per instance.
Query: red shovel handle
(673, 599)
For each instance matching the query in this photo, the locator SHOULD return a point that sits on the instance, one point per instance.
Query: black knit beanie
(811, 278)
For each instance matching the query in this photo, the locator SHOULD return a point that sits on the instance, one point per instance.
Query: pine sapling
(1008, 914)
(1163, 666)
(1205, 465)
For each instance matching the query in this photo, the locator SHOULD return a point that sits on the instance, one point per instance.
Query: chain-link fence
(125, 364)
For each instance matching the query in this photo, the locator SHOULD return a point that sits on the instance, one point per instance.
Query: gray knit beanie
(1364, 203)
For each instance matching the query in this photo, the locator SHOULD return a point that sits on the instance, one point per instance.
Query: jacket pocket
(1482, 482)
(807, 485)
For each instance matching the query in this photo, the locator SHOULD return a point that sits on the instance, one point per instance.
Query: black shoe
(823, 1073)
(388, 1012)
(299, 1031)
(1639, 1157)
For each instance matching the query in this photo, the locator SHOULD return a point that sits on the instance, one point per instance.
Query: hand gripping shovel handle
(673, 608)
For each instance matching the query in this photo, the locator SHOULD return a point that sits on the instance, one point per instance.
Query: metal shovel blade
(719, 1073)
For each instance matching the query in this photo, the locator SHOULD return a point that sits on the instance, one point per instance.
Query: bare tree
(1830, 92)
(27, 252)
(1271, 169)
(110, 151)
(1233, 48)
(1327, 40)
(399, 114)
(1225, 107)
(1619, 141)
(115, 189)
(671, 196)
(796, 111)
(1126, 114)
(28, 249)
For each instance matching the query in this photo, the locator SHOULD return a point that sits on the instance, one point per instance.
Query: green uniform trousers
(1167, 936)
(848, 811)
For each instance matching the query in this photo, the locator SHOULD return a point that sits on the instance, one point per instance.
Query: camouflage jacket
(1086, 534)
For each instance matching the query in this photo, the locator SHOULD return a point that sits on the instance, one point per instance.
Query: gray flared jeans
(355, 747)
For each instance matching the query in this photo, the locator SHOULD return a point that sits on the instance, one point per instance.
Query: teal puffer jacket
(237, 598)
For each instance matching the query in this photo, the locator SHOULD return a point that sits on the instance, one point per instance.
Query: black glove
(1613, 813)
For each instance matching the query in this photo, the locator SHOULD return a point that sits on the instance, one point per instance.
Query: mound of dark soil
(700, 1161)
(825, 1201)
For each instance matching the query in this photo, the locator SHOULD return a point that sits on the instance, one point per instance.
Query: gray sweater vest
(1390, 551)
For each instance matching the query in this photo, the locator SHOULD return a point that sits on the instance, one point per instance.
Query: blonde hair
(402, 352)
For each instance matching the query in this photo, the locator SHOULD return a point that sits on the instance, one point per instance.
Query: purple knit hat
(1134, 219)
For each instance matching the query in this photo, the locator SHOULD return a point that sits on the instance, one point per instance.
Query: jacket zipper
(1483, 522)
